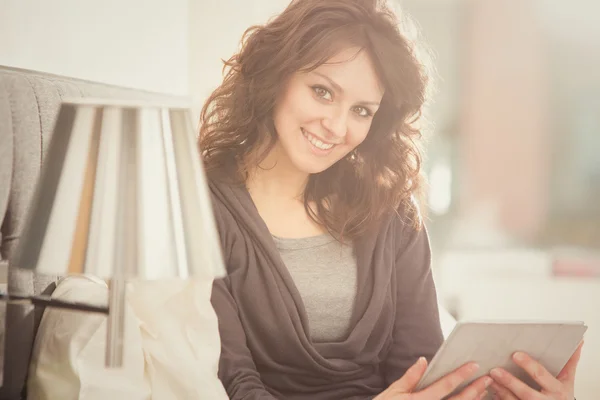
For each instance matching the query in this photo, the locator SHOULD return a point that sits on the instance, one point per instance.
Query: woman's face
(324, 114)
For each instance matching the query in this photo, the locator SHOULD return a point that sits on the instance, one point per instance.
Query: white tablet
(491, 344)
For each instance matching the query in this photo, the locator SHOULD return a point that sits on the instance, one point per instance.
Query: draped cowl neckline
(271, 312)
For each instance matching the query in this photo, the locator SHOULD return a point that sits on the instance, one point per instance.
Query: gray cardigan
(266, 351)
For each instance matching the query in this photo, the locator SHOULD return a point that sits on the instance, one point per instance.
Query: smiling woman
(322, 115)
(318, 70)
(311, 148)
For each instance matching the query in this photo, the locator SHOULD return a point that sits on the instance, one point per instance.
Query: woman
(310, 145)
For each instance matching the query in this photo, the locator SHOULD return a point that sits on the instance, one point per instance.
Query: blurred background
(513, 142)
(513, 162)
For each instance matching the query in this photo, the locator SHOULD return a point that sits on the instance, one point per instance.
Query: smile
(319, 144)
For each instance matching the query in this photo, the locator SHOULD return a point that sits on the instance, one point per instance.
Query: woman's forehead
(353, 70)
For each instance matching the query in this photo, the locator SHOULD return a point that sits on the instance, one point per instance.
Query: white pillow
(171, 344)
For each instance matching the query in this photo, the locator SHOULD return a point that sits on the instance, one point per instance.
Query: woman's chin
(313, 168)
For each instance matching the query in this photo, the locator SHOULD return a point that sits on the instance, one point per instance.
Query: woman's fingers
(475, 390)
(502, 393)
(520, 389)
(537, 372)
(410, 379)
(483, 395)
(567, 375)
(450, 382)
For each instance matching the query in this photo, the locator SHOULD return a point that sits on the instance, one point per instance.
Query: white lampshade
(122, 192)
(122, 195)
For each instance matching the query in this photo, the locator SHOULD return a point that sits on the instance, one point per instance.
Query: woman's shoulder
(221, 198)
(406, 219)
(233, 209)
(226, 196)
(406, 225)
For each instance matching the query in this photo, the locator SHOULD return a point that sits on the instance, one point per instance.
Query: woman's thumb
(411, 378)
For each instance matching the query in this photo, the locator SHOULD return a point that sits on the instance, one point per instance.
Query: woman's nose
(336, 124)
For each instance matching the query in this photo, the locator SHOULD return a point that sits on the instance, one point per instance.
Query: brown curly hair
(383, 174)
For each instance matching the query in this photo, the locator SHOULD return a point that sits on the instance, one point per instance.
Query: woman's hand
(562, 387)
(403, 388)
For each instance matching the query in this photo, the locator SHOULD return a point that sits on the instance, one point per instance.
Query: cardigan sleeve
(237, 370)
(417, 330)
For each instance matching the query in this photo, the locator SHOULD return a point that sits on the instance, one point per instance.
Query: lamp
(122, 196)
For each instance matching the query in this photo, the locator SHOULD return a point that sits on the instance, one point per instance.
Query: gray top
(324, 272)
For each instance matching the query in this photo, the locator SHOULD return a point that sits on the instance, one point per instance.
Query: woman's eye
(362, 112)
(322, 93)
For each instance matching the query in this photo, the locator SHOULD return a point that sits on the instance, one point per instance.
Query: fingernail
(496, 373)
(487, 381)
(519, 356)
(473, 367)
(421, 361)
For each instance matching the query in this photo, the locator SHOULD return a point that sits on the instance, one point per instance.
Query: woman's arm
(417, 331)
(237, 370)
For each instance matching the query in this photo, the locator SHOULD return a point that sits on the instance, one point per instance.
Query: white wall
(173, 46)
(216, 27)
(135, 43)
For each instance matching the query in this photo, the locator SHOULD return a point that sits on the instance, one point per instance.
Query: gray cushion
(29, 102)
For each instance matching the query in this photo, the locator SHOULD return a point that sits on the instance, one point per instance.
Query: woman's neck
(277, 190)
(277, 178)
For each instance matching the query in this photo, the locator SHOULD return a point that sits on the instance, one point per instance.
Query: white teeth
(316, 142)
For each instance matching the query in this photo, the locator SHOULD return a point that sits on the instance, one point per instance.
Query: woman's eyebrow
(331, 82)
(341, 90)
(369, 103)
